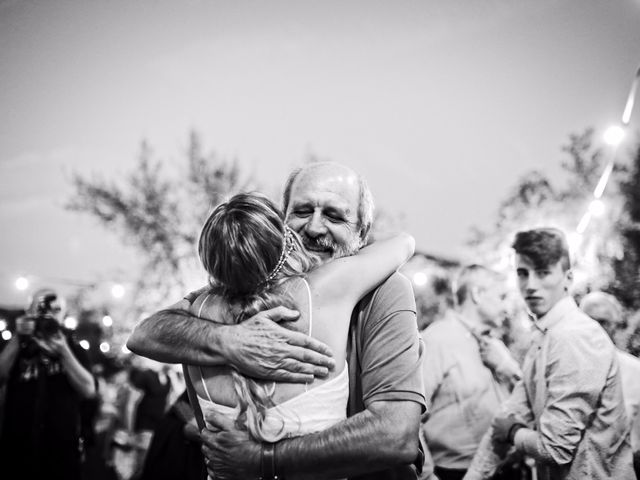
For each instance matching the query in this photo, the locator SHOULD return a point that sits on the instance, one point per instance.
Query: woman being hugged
(256, 262)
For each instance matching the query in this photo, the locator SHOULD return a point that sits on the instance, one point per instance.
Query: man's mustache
(319, 243)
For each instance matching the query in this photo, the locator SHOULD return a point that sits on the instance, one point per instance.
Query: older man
(330, 206)
(464, 392)
(567, 413)
(607, 311)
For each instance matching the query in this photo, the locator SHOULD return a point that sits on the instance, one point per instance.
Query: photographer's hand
(81, 379)
(56, 345)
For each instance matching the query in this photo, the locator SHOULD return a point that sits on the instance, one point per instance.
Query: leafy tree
(536, 200)
(159, 213)
(626, 266)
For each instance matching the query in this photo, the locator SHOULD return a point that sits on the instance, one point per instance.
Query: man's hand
(260, 348)
(504, 428)
(497, 358)
(229, 453)
(56, 345)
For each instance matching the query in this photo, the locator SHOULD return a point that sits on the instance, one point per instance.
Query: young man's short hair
(543, 247)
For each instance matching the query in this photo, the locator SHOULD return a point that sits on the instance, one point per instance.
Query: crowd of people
(305, 357)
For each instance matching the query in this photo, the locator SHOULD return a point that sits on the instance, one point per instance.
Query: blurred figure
(47, 376)
(633, 341)
(435, 297)
(141, 401)
(516, 330)
(607, 311)
(567, 413)
(174, 453)
(464, 371)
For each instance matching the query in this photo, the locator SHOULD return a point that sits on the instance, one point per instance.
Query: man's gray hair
(365, 199)
(473, 275)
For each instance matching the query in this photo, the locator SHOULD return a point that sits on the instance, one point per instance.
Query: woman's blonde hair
(248, 252)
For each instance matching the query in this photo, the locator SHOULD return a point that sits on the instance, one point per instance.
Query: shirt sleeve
(576, 371)
(392, 349)
(433, 365)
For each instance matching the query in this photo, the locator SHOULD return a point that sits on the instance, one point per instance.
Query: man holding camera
(47, 376)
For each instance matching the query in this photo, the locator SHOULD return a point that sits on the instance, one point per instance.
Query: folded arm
(490, 455)
(577, 373)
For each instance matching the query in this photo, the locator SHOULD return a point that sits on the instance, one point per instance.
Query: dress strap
(202, 304)
(306, 385)
(204, 384)
(310, 306)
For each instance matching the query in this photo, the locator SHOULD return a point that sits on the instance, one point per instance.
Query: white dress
(311, 411)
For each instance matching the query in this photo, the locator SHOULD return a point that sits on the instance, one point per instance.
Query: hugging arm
(257, 347)
(353, 277)
(383, 436)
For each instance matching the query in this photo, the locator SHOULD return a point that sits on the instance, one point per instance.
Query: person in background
(607, 311)
(567, 412)
(174, 453)
(464, 390)
(47, 375)
(434, 299)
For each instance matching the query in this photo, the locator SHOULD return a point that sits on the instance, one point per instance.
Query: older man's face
(323, 210)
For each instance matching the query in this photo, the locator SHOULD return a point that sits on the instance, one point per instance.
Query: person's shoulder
(628, 361)
(444, 330)
(578, 330)
(395, 292)
(396, 280)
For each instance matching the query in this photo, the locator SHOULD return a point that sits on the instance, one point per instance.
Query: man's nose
(316, 226)
(533, 283)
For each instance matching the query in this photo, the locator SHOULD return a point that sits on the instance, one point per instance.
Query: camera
(46, 324)
(40, 322)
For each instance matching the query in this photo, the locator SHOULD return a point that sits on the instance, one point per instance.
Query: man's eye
(302, 213)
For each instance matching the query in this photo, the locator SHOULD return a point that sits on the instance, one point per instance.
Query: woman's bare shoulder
(210, 307)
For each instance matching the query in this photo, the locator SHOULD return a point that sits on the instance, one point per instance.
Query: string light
(71, 323)
(420, 279)
(22, 283)
(117, 291)
(612, 136)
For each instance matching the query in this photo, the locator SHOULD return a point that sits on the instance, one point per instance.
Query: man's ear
(364, 235)
(474, 294)
(568, 277)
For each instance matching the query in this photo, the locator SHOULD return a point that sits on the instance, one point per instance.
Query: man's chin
(538, 308)
(323, 254)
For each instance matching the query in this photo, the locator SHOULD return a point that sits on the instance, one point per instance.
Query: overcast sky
(440, 105)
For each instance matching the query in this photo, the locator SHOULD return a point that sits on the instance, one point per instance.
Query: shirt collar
(557, 312)
(476, 331)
